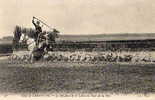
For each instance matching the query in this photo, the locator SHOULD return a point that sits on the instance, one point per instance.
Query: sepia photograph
(77, 48)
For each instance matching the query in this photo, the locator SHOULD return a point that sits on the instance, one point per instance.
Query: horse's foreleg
(32, 58)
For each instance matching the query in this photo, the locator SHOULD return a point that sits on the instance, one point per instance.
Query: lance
(43, 23)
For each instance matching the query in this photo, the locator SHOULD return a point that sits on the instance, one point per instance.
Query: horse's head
(26, 40)
(23, 38)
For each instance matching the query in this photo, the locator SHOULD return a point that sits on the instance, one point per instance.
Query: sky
(80, 16)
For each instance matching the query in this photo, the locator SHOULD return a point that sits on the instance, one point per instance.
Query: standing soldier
(38, 29)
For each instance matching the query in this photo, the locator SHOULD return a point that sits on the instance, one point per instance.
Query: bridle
(26, 39)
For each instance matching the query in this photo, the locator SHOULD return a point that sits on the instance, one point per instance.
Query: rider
(38, 29)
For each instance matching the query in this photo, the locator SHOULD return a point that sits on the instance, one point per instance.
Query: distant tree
(8, 38)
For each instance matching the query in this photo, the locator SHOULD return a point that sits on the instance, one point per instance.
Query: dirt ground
(73, 77)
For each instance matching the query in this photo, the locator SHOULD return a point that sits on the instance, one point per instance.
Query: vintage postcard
(77, 48)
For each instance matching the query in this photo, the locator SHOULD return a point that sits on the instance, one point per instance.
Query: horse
(31, 45)
(35, 48)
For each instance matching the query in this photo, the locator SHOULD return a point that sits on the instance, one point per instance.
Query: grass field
(82, 78)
